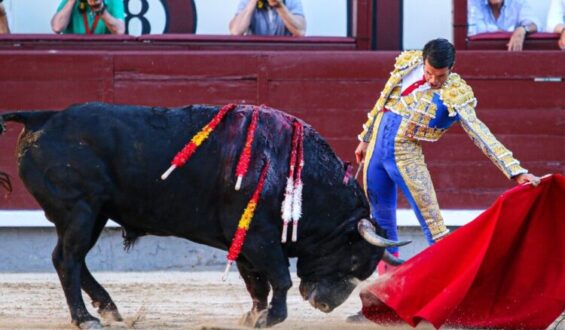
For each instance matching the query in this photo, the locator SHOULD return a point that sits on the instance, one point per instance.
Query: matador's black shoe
(357, 318)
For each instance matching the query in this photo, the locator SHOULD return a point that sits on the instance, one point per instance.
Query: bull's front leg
(258, 288)
(275, 275)
(256, 284)
(277, 309)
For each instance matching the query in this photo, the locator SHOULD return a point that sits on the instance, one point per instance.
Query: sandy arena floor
(164, 300)
(159, 300)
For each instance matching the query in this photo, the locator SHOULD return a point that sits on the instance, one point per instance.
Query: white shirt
(555, 15)
(413, 76)
(512, 14)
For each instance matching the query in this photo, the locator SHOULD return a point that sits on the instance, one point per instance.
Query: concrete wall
(29, 250)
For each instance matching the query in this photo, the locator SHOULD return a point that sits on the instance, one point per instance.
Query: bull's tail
(31, 120)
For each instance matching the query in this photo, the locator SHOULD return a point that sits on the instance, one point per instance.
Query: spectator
(85, 16)
(556, 20)
(516, 16)
(4, 28)
(269, 17)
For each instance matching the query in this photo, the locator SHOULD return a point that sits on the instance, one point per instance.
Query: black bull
(94, 162)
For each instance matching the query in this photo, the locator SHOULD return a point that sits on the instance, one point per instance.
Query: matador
(419, 102)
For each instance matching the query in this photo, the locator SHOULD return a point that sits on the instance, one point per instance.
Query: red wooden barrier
(171, 41)
(332, 90)
(499, 41)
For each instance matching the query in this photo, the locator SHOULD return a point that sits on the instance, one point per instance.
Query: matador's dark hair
(440, 53)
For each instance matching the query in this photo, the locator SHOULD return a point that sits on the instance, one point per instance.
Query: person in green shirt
(89, 17)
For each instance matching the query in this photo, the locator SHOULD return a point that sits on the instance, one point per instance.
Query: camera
(83, 5)
(264, 4)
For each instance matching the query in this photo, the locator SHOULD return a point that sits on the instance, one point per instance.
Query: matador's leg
(381, 189)
(414, 179)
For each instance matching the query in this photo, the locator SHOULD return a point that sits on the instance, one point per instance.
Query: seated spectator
(4, 28)
(89, 17)
(269, 17)
(556, 20)
(514, 16)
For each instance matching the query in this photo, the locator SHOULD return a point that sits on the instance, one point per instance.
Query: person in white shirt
(556, 20)
(516, 16)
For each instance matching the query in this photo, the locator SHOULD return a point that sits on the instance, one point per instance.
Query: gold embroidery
(412, 167)
(409, 58)
(489, 145)
(415, 131)
(455, 94)
(404, 61)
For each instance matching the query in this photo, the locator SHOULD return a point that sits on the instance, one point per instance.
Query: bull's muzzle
(318, 305)
(368, 231)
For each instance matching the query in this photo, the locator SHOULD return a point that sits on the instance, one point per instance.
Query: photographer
(4, 28)
(269, 17)
(89, 17)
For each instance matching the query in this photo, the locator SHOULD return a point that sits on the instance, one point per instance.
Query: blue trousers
(395, 161)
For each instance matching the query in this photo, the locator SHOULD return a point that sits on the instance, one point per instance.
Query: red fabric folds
(505, 269)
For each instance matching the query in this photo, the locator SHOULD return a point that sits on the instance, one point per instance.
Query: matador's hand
(527, 178)
(360, 152)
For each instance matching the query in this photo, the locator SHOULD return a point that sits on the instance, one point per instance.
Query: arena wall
(520, 96)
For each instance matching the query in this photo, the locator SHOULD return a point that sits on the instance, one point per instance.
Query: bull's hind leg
(101, 300)
(74, 242)
(258, 288)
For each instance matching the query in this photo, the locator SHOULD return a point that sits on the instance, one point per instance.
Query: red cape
(505, 269)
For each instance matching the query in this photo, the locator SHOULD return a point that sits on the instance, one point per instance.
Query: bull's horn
(369, 233)
(390, 259)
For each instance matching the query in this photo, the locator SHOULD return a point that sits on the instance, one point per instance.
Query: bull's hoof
(255, 319)
(108, 312)
(93, 324)
(110, 316)
(246, 319)
(117, 325)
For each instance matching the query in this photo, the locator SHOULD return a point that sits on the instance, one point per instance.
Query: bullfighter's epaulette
(407, 59)
(456, 94)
